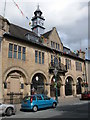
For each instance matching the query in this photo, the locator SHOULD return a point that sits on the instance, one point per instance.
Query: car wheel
(35, 108)
(54, 105)
(9, 112)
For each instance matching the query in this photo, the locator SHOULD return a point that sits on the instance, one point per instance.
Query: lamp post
(55, 73)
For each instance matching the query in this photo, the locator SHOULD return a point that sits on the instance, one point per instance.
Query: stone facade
(15, 73)
(87, 73)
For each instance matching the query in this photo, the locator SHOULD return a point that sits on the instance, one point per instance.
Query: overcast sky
(70, 17)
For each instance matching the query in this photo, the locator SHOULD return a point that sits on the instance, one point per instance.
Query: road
(74, 110)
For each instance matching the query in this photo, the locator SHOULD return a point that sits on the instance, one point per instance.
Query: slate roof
(20, 32)
(46, 35)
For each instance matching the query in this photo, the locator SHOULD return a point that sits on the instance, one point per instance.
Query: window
(39, 57)
(36, 56)
(46, 97)
(42, 58)
(39, 98)
(58, 47)
(51, 59)
(68, 63)
(78, 66)
(5, 85)
(19, 52)
(10, 50)
(24, 53)
(51, 44)
(15, 51)
(22, 86)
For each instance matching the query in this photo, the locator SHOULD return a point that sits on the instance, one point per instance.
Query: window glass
(15, 51)
(24, 53)
(19, 52)
(46, 97)
(10, 50)
(22, 86)
(58, 47)
(39, 57)
(42, 58)
(36, 55)
(5, 85)
(39, 98)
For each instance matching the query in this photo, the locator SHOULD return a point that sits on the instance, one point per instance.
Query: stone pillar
(82, 89)
(47, 88)
(29, 89)
(74, 89)
(62, 90)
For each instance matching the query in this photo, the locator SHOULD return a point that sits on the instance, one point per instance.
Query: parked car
(37, 101)
(7, 109)
(85, 95)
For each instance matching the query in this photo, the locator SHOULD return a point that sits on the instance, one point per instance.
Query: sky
(70, 17)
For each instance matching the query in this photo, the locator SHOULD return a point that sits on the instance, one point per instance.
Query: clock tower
(38, 22)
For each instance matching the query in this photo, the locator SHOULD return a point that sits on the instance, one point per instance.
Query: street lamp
(55, 73)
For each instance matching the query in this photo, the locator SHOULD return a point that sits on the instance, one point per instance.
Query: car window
(0, 103)
(33, 97)
(46, 97)
(27, 98)
(39, 98)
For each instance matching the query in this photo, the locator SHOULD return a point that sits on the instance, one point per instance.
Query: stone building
(28, 60)
(87, 61)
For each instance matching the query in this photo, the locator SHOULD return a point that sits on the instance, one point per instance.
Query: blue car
(37, 101)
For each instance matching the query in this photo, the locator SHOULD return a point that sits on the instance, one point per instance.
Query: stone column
(62, 90)
(74, 89)
(47, 87)
(29, 89)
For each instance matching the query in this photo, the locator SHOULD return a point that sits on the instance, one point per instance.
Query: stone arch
(38, 82)
(69, 85)
(8, 71)
(78, 85)
(52, 86)
(38, 71)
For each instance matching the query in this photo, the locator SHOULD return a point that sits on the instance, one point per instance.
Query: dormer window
(32, 38)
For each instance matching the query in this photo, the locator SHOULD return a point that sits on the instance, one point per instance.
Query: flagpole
(4, 9)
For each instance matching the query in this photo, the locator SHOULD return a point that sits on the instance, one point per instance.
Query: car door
(47, 100)
(40, 101)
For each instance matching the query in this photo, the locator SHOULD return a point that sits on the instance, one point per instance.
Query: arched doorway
(78, 86)
(14, 87)
(68, 86)
(53, 86)
(38, 84)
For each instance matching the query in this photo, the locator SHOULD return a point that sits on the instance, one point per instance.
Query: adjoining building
(28, 59)
(87, 61)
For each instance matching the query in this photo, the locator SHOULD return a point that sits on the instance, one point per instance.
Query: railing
(59, 66)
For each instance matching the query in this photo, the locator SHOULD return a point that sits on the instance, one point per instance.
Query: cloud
(70, 17)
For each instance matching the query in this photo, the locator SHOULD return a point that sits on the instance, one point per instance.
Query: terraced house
(28, 60)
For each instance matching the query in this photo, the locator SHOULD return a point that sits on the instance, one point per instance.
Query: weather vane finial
(38, 6)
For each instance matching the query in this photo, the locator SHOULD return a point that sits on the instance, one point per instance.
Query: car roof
(35, 95)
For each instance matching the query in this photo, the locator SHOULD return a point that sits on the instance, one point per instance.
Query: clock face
(41, 22)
